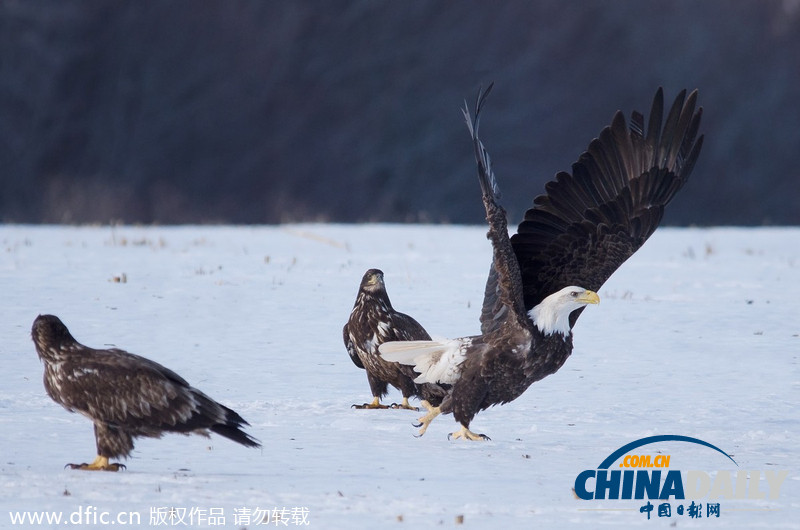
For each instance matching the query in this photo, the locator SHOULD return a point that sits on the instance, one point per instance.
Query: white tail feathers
(435, 361)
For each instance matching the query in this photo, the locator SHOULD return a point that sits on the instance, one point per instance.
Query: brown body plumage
(577, 234)
(372, 322)
(125, 395)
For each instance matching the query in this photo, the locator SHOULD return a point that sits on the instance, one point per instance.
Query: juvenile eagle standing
(577, 234)
(125, 395)
(372, 322)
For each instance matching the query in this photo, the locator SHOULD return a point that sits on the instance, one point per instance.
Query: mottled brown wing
(590, 221)
(116, 387)
(406, 328)
(351, 348)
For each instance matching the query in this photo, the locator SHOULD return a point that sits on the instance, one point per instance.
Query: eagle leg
(100, 464)
(467, 435)
(404, 405)
(376, 404)
(426, 420)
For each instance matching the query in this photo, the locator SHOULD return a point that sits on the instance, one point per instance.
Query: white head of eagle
(552, 314)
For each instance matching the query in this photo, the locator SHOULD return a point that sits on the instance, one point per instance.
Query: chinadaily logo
(652, 479)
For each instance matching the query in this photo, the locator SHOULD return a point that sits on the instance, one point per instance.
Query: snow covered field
(697, 335)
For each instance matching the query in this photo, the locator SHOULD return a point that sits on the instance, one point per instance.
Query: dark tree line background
(252, 112)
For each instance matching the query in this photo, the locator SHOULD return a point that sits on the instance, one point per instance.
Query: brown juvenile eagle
(126, 396)
(577, 234)
(372, 322)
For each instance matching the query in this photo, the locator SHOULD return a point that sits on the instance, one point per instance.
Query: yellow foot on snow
(376, 404)
(467, 435)
(404, 405)
(100, 464)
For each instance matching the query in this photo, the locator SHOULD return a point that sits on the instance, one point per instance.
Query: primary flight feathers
(569, 243)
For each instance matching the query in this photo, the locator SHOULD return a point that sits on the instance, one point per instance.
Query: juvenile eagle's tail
(232, 428)
(215, 417)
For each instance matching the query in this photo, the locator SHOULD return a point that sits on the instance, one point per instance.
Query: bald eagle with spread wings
(372, 322)
(570, 242)
(125, 395)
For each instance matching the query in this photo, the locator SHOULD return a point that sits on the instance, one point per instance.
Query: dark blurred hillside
(252, 112)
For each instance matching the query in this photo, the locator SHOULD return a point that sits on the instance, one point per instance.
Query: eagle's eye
(574, 294)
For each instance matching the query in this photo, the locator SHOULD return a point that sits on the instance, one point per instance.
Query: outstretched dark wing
(589, 222)
(502, 300)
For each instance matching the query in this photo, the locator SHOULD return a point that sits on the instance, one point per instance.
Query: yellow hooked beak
(589, 297)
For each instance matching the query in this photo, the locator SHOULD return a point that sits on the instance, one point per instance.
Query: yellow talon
(467, 435)
(426, 420)
(100, 464)
(376, 404)
(404, 405)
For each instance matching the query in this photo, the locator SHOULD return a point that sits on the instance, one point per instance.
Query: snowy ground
(697, 335)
